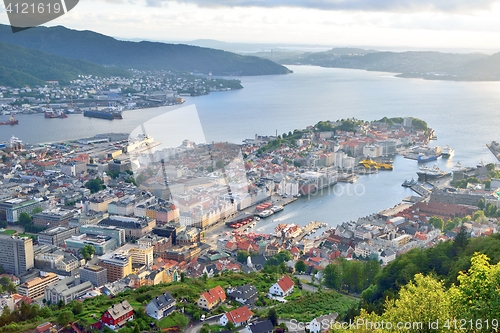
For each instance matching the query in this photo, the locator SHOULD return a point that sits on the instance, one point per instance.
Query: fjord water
(464, 115)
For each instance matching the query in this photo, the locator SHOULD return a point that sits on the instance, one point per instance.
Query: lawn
(312, 305)
(9, 232)
(26, 235)
(174, 319)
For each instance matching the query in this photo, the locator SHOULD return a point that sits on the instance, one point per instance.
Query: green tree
(24, 219)
(479, 216)
(229, 325)
(333, 276)
(437, 222)
(7, 285)
(300, 266)
(65, 317)
(242, 256)
(45, 312)
(77, 307)
(424, 300)
(36, 210)
(273, 316)
(477, 297)
(87, 251)
(95, 185)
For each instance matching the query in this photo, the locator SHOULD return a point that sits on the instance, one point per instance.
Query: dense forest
(108, 51)
(21, 66)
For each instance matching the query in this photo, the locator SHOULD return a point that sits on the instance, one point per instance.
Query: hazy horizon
(384, 24)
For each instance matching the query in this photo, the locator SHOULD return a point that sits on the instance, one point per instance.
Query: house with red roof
(211, 298)
(283, 287)
(117, 315)
(239, 317)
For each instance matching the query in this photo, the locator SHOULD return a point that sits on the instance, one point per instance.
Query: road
(195, 327)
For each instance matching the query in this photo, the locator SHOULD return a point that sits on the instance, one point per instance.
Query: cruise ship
(424, 173)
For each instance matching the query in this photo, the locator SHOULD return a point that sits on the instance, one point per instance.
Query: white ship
(447, 151)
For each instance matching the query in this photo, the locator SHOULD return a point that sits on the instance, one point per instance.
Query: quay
(311, 227)
(420, 190)
(494, 147)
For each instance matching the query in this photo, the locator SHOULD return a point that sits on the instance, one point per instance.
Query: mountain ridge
(21, 66)
(415, 64)
(108, 51)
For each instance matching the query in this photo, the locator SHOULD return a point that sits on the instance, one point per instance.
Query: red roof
(214, 294)
(44, 327)
(285, 283)
(239, 315)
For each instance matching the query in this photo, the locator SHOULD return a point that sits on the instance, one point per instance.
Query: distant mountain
(20, 66)
(108, 51)
(417, 64)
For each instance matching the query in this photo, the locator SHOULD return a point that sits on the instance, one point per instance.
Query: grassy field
(9, 232)
(312, 305)
(174, 319)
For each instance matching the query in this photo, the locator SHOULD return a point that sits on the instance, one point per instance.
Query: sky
(462, 25)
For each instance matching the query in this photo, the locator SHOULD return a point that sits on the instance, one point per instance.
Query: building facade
(17, 254)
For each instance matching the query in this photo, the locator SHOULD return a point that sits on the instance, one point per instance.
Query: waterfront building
(17, 254)
(56, 236)
(96, 275)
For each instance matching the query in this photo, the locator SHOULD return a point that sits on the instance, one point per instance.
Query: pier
(310, 228)
(494, 147)
(420, 190)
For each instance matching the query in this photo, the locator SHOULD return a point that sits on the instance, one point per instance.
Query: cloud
(354, 5)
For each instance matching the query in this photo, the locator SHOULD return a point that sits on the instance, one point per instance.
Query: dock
(310, 228)
(494, 147)
(420, 190)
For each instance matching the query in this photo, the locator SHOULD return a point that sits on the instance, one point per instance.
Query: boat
(409, 183)
(11, 121)
(447, 151)
(103, 114)
(423, 158)
(371, 164)
(425, 173)
(49, 113)
(276, 209)
(266, 213)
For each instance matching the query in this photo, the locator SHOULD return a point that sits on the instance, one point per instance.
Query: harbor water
(463, 115)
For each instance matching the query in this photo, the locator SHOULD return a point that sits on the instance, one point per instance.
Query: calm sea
(462, 113)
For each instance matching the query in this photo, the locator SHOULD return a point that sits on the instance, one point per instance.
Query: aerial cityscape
(206, 179)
